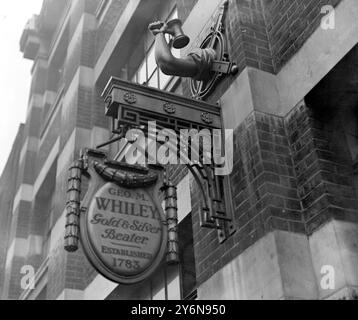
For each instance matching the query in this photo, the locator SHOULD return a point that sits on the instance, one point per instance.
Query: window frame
(156, 71)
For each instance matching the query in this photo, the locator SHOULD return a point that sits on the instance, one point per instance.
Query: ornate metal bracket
(153, 105)
(216, 209)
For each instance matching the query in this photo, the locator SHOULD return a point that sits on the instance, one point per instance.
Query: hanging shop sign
(120, 222)
(123, 233)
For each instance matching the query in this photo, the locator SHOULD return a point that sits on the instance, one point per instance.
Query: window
(148, 73)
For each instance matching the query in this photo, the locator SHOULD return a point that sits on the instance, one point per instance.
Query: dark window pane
(187, 259)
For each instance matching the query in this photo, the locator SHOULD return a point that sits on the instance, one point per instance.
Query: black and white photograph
(180, 155)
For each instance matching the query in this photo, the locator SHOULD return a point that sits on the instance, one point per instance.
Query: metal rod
(109, 142)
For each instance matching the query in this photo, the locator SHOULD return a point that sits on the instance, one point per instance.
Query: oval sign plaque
(124, 236)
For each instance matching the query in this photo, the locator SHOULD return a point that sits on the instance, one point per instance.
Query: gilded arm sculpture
(197, 64)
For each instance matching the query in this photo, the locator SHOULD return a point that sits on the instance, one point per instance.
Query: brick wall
(7, 190)
(248, 41)
(292, 174)
(83, 52)
(290, 24)
(68, 270)
(68, 119)
(109, 22)
(264, 193)
(48, 142)
(323, 167)
(98, 117)
(84, 109)
(247, 35)
(56, 271)
(72, 63)
(265, 34)
(289, 173)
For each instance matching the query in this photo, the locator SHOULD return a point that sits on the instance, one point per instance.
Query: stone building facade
(293, 107)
